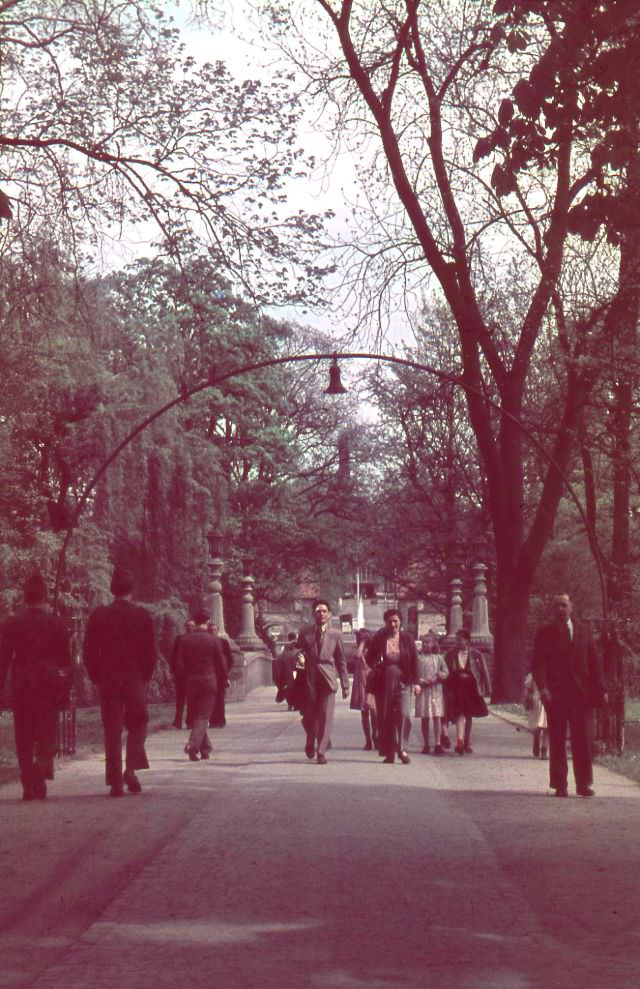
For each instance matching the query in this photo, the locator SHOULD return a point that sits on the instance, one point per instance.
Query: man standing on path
(324, 662)
(35, 646)
(120, 656)
(178, 677)
(567, 671)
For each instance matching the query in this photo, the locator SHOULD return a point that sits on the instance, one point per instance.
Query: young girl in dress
(432, 672)
(360, 699)
(537, 717)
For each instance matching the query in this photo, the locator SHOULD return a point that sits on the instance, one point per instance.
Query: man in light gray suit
(324, 663)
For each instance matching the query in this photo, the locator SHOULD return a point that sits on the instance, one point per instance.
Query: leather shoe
(132, 781)
(310, 750)
(586, 791)
(27, 793)
(561, 791)
(321, 759)
(390, 758)
(404, 758)
(117, 790)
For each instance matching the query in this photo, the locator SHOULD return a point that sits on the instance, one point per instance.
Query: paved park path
(261, 869)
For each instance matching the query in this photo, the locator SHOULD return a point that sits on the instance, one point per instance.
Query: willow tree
(112, 133)
(430, 97)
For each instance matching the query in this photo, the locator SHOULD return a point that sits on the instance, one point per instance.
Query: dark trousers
(124, 705)
(393, 705)
(35, 727)
(181, 699)
(567, 708)
(317, 719)
(201, 694)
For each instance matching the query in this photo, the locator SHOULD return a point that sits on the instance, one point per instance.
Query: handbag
(375, 678)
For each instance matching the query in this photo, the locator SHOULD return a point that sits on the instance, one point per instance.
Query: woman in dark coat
(466, 686)
(392, 654)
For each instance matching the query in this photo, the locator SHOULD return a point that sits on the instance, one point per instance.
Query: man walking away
(120, 656)
(35, 647)
(178, 678)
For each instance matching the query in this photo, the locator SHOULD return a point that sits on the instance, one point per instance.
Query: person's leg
(200, 711)
(309, 721)
(557, 715)
(46, 737)
(460, 734)
(197, 735)
(326, 709)
(580, 730)
(136, 718)
(112, 711)
(24, 734)
(181, 697)
(468, 721)
(404, 718)
(444, 735)
(544, 743)
(437, 734)
(368, 741)
(536, 743)
(425, 734)
(374, 728)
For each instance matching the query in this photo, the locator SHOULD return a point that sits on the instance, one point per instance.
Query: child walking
(537, 717)
(432, 672)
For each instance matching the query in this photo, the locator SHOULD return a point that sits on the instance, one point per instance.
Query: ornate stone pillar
(455, 613)
(248, 640)
(480, 617)
(214, 574)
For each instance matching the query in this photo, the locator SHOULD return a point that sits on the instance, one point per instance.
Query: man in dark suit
(568, 674)
(218, 716)
(120, 656)
(324, 663)
(178, 677)
(35, 646)
(201, 659)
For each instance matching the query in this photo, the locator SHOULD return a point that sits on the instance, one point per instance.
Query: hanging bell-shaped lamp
(335, 385)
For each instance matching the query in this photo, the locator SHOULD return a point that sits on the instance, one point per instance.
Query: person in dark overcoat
(120, 655)
(202, 663)
(218, 717)
(324, 664)
(392, 654)
(178, 680)
(35, 648)
(568, 673)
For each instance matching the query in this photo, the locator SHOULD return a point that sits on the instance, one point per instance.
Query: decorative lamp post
(248, 640)
(455, 613)
(214, 573)
(480, 617)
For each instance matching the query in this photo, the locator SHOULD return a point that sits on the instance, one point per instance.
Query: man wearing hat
(120, 656)
(35, 646)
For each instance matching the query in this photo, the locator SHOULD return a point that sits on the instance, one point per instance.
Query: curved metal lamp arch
(215, 380)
